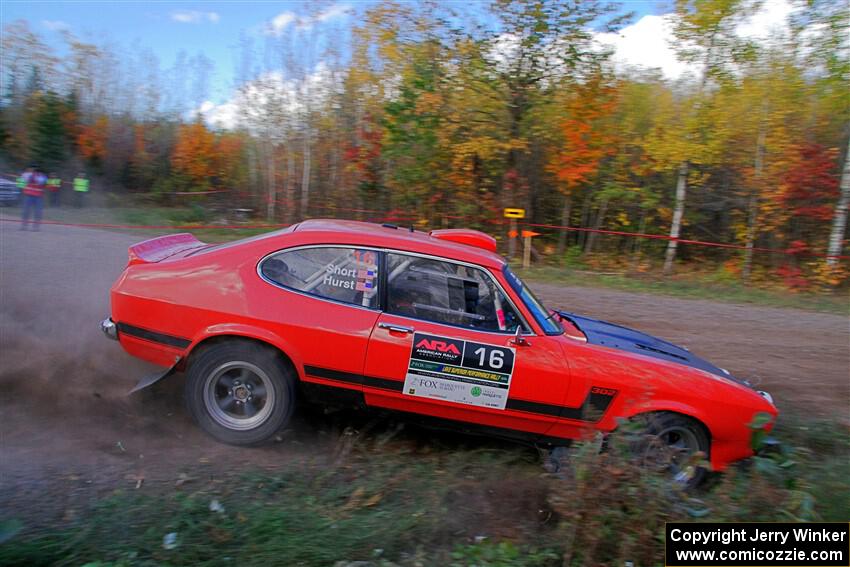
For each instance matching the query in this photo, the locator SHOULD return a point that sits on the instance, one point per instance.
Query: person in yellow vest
(53, 186)
(81, 188)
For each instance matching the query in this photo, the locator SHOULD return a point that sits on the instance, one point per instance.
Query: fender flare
(249, 332)
(225, 330)
(674, 407)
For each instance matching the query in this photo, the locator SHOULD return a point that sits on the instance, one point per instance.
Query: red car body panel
(178, 292)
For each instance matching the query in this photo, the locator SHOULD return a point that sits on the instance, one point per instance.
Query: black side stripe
(153, 336)
(592, 409)
(351, 378)
(533, 407)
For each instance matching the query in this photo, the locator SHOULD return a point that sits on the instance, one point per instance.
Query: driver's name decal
(455, 370)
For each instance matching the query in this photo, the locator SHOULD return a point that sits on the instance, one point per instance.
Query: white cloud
(335, 11)
(194, 17)
(648, 42)
(279, 23)
(770, 20)
(267, 96)
(225, 116)
(55, 25)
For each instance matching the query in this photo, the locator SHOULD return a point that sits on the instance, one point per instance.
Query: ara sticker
(459, 371)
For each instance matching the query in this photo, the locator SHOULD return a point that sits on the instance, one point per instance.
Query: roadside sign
(514, 213)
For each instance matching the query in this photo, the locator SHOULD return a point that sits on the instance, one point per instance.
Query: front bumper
(109, 328)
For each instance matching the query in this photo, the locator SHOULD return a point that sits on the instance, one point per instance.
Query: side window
(349, 275)
(449, 293)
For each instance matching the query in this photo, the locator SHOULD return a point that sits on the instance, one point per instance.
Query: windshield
(550, 324)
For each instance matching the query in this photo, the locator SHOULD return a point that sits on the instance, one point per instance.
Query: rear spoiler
(158, 249)
(466, 236)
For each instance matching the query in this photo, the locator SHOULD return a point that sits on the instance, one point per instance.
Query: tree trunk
(290, 184)
(678, 212)
(256, 184)
(305, 176)
(752, 217)
(638, 240)
(270, 209)
(565, 221)
(839, 221)
(585, 209)
(600, 216)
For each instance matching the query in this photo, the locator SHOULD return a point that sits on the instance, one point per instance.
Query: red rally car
(434, 324)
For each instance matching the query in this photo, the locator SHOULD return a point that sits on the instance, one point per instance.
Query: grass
(404, 505)
(444, 500)
(693, 286)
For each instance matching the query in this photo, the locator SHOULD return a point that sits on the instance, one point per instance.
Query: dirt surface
(71, 434)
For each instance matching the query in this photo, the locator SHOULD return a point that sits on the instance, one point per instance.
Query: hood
(610, 335)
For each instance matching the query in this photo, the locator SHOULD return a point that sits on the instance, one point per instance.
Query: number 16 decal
(488, 357)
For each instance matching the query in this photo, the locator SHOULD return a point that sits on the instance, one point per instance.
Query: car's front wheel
(675, 445)
(240, 393)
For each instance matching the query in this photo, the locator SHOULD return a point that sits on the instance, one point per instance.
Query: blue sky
(211, 28)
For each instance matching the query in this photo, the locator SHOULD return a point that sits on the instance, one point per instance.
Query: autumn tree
(47, 132)
(412, 120)
(586, 140)
(706, 37)
(536, 45)
(194, 158)
(91, 140)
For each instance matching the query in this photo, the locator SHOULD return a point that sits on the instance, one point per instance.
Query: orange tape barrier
(391, 216)
(682, 240)
(390, 219)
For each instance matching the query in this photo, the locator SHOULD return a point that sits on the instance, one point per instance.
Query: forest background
(442, 114)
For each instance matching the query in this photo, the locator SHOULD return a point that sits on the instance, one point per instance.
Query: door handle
(396, 328)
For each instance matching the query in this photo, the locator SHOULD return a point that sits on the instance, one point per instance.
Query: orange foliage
(195, 153)
(91, 139)
(585, 143)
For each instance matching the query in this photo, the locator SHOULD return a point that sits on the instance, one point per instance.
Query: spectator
(81, 187)
(33, 197)
(53, 186)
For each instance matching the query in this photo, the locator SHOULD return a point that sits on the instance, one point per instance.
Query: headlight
(766, 396)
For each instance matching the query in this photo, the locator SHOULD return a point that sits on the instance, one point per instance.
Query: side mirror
(518, 339)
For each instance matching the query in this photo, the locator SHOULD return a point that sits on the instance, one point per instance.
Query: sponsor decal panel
(455, 370)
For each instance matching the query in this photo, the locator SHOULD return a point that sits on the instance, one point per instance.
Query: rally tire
(670, 443)
(240, 393)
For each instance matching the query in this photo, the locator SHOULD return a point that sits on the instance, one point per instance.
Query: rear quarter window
(347, 275)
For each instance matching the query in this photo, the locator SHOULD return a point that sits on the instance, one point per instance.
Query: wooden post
(527, 235)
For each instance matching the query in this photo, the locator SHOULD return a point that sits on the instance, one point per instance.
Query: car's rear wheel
(673, 444)
(240, 393)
